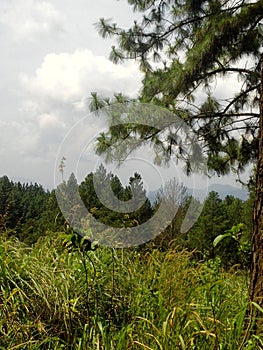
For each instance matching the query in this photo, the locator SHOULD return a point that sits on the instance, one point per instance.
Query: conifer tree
(184, 46)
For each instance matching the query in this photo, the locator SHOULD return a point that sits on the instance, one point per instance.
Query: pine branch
(225, 70)
(225, 115)
(243, 93)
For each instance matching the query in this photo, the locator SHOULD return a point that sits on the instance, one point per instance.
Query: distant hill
(222, 190)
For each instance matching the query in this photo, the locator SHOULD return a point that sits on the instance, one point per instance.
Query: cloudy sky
(51, 59)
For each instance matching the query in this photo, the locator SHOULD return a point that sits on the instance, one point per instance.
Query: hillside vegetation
(54, 298)
(58, 291)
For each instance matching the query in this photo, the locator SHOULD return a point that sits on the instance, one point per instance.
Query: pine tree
(113, 208)
(183, 46)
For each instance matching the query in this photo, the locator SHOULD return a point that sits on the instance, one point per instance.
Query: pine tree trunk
(256, 280)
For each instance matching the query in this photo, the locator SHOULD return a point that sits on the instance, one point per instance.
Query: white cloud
(68, 77)
(50, 121)
(35, 137)
(29, 107)
(81, 105)
(57, 96)
(18, 138)
(29, 18)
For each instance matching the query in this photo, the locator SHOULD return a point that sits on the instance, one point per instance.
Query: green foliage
(219, 231)
(100, 207)
(212, 221)
(243, 246)
(234, 233)
(74, 241)
(55, 298)
(40, 214)
(27, 210)
(194, 44)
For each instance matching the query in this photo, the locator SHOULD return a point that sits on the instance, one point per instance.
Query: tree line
(28, 211)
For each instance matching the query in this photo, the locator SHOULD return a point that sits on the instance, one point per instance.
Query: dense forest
(28, 212)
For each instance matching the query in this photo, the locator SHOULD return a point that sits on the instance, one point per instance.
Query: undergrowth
(53, 298)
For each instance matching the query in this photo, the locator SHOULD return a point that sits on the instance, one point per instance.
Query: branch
(250, 115)
(243, 93)
(224, 70)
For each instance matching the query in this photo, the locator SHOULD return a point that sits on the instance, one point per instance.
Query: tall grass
(51, 298)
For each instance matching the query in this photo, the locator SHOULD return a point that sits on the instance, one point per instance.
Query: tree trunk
(256, 279)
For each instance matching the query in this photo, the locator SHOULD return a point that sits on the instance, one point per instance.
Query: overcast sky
(51, 59)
